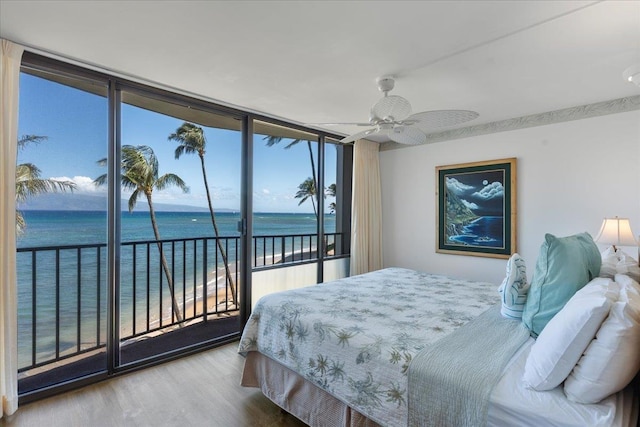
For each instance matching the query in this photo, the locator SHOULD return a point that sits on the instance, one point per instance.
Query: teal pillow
(564, 266)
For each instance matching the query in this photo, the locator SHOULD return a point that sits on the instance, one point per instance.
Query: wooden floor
(199, 390)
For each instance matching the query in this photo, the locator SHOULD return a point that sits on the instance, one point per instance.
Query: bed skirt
(298, 396)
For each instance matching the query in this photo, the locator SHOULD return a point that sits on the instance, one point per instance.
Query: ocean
(45, 228)
(486, 231)
(83, 284)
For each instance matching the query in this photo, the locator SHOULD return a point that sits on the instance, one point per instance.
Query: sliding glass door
(179, 250)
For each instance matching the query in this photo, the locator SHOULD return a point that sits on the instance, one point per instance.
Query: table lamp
(616, 231)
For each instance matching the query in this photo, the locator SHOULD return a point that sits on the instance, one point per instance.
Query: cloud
(84, 184)
(266, 191)
(470, 205)
(456, 186)
(224, 193)
(491, 191)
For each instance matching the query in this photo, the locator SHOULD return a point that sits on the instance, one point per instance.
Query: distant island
(84, 202)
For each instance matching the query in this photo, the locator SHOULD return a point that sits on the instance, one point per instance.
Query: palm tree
(191, 139)
(272, 140)
(307, 190)
(140, 174)
(331, 192)
(29, 183)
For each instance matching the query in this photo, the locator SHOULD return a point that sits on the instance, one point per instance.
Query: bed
(344, 353)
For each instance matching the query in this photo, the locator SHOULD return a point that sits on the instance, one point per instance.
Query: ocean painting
(476, 208)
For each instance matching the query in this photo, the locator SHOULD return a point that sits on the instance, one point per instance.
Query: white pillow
(566, 336)
(627, 265)
(609, 261)
(613, 358)
(514, 288)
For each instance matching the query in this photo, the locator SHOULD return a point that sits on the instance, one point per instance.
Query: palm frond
(20, 223)
(30, 139)
(292, 143)
(133, 199)
(169, 179)
(273, 140)
(305, 190)
(139, 167)
(331, 190)
(101, 180)
(139, 172)
(191, 139)
(29, 183)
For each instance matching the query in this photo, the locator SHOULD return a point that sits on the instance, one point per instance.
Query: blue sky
(75, 123)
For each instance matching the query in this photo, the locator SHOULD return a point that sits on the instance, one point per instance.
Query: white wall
(569, 177)
(298, 276)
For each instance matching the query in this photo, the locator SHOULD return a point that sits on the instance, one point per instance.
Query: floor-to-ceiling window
(62, 229)
(135, 252)
(337, 209)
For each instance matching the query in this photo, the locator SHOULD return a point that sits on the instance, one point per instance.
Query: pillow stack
(612, 358)
(592, 344)
(514, 288)
(566, 336)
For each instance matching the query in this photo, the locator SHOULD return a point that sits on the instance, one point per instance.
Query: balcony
(62, 299)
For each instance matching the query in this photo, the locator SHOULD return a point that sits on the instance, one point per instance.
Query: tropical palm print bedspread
(355, 337)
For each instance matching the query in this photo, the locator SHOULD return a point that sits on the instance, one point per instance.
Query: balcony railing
(62, 289)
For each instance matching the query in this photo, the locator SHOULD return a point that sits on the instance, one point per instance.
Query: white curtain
(10, 57)
(366, 214)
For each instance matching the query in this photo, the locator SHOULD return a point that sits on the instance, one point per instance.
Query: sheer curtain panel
(366, 216)
(9, 79)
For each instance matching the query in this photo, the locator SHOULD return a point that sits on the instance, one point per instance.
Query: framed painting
(476, 208)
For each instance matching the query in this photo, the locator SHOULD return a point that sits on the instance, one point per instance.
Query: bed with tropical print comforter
(356, 337)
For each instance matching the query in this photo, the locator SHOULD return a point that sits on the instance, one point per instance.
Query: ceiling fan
(391, 117)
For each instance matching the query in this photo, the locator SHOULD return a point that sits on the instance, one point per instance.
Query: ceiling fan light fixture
(632, 74)
(391, 108)
(385, 84)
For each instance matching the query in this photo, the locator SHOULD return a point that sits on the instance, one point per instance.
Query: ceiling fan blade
(391, 107)
(337, 124)
(359, 135)
(409, 135)
(440, 118)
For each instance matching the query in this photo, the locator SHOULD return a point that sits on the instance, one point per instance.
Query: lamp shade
(616, 231)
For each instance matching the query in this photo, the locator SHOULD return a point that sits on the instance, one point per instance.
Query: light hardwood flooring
(199, 390)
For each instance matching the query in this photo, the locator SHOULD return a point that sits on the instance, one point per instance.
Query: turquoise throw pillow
(564, 266)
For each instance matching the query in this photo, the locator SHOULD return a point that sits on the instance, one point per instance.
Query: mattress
(511, 404)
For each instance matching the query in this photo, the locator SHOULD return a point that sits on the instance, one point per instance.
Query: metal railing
(62, 290)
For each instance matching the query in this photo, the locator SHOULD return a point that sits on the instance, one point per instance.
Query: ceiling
(317, 61)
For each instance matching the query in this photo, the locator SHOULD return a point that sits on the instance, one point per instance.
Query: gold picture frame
(476, 208)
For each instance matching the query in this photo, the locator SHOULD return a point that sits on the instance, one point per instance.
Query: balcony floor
(93, 363)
